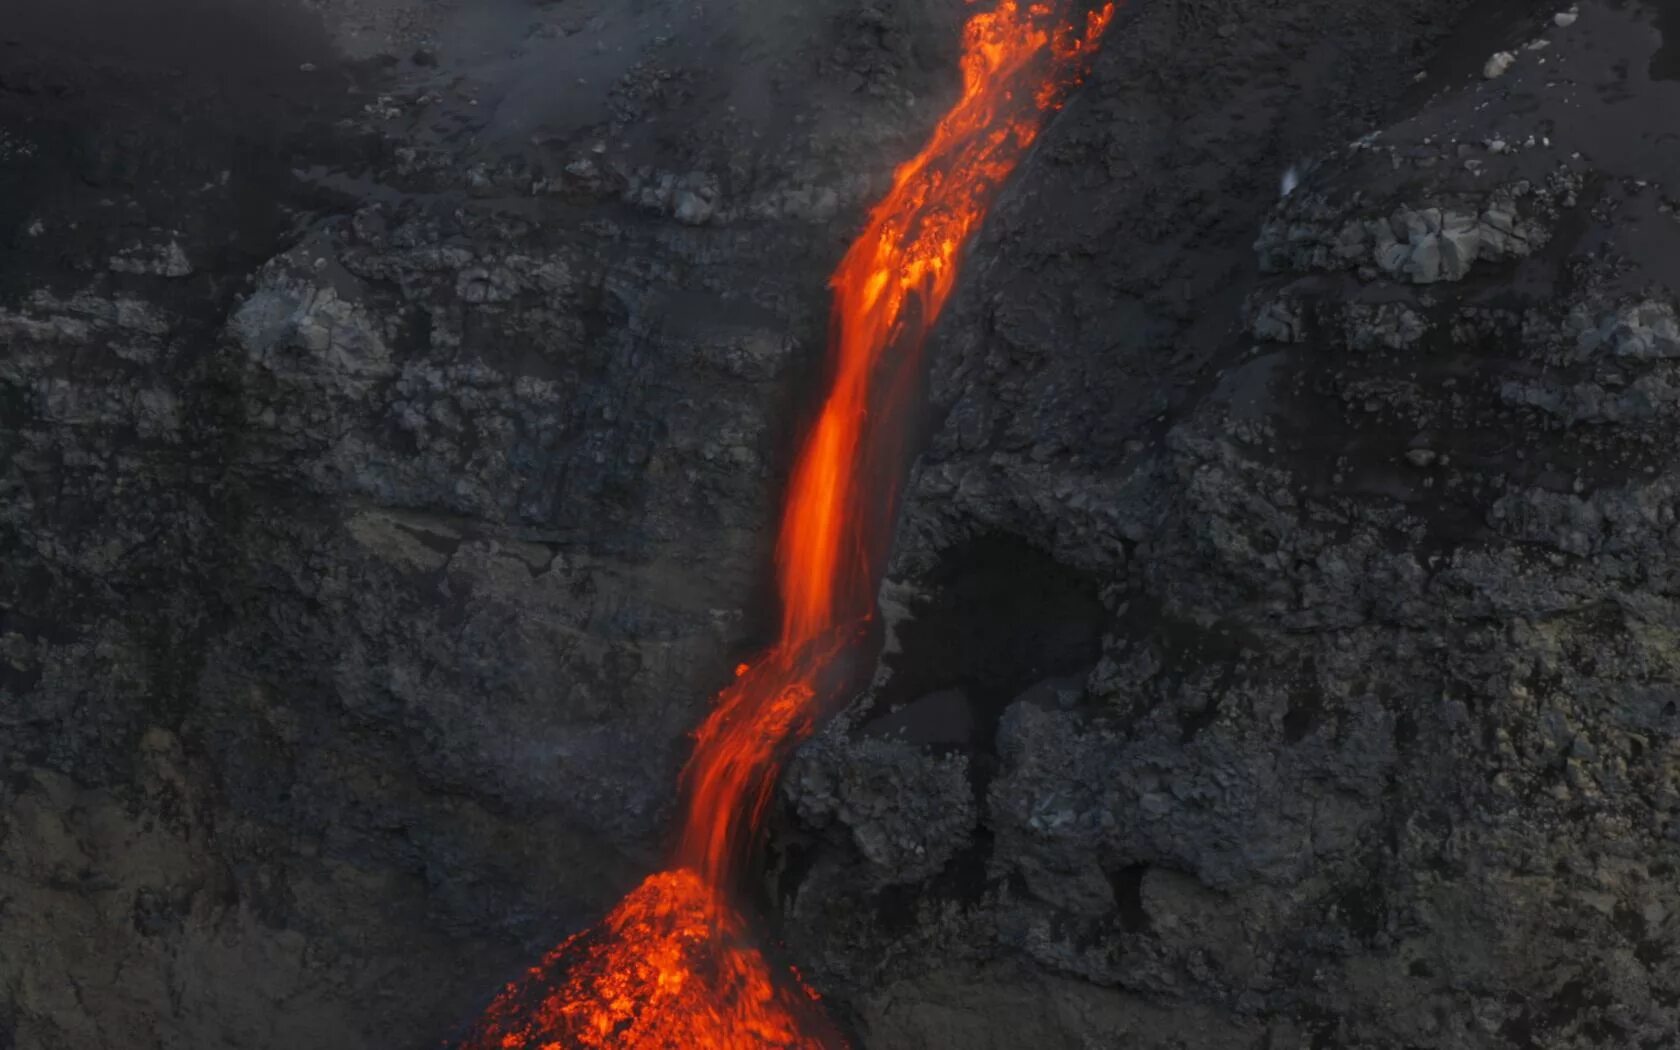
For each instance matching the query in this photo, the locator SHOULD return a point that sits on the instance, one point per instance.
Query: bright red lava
(673, 965)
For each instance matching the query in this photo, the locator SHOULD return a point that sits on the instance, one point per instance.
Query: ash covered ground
(1280, 648)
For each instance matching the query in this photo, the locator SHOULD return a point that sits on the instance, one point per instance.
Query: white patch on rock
(156, 260)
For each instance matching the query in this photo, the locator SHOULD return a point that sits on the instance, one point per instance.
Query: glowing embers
(738, 751)
(670, 968)
(673, 966)
(888, 291)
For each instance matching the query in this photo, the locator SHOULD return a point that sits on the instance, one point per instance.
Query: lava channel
(673, 966)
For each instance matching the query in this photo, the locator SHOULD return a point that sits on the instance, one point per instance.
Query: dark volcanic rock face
(1279, 645)
(1380, 746)
(391, 448)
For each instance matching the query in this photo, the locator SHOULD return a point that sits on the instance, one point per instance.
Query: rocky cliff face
(1374, 741)
(389, 480)
(1278, 646)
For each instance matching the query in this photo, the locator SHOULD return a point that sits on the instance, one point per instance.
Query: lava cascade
(673, 966)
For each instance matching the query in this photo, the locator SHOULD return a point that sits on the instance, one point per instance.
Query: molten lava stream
(673, 966)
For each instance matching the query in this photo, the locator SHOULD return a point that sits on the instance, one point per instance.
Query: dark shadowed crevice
(1665, 64)
(1001, 616)
(1128, 897)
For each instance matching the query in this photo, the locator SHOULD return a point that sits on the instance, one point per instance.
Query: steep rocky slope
(395, 396)
(390, 455)
(1374, 742)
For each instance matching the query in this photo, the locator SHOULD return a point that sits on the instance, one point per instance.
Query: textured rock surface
(1377, 745)
(1279, 650)
(387, 482)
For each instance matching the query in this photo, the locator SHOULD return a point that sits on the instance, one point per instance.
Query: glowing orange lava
(672, 966)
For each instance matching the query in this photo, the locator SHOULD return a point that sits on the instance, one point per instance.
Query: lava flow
(673, 966)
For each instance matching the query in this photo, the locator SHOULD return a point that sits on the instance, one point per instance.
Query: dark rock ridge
(1279, 645)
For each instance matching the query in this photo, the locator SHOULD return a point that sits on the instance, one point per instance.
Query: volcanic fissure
(673, 964)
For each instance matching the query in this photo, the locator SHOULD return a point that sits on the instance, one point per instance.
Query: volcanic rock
(1381, 679)
(1279, 646)
(1497, 64)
